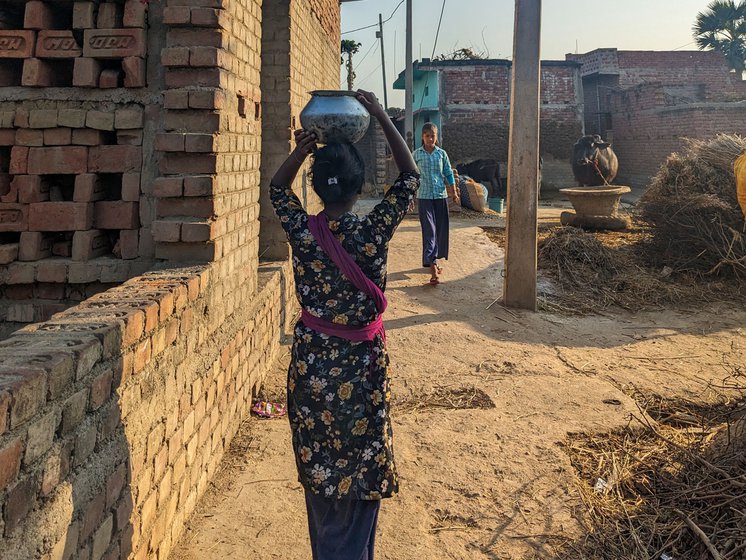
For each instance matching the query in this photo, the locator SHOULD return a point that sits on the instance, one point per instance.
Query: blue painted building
(425, 97)
(469, 101)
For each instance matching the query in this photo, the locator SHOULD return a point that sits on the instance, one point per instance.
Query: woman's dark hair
(338, 173)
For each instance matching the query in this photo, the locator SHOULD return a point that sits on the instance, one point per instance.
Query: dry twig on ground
(443, 397)
(665, 487)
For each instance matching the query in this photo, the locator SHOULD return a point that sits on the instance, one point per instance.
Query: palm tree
(722, 28)
(349, 47)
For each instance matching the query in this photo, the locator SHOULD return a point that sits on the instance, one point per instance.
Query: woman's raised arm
(400, 151)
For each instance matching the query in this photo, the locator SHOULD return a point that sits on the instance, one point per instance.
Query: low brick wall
(374, 151)
(648, 127)
(114, 414)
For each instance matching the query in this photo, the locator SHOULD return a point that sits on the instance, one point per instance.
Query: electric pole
(383, 63)
(523, 159)
(409, 83)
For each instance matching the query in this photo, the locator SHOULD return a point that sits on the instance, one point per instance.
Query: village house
(647, 102)
(644, 102)
(469, 101)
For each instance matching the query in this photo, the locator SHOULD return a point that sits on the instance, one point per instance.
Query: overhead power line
(435, 44)
(374, 45)
(437, 32)
(682, 46)
(361, 82)
(375, 24)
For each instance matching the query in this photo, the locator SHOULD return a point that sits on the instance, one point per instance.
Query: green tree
(722, 28)
(349, 47)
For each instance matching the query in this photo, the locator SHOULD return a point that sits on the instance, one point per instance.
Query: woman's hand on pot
(371, 103)
(305, 142)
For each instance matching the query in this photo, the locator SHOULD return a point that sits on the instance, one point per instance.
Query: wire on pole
(375, 24)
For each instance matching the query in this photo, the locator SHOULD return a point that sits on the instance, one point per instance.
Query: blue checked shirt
(435, 173)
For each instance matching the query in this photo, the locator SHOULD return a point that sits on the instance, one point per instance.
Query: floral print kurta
(338, 391)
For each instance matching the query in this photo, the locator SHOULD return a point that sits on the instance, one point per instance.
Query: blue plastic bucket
(496, 204)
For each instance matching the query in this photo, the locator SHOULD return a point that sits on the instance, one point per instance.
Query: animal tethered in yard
(594, 163)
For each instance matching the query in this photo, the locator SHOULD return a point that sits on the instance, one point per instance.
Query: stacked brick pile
(71, 164)
(60, 175)
(83, 44)
(69, 200)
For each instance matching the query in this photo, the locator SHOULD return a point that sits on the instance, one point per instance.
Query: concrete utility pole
(383, 63)
(523, 159)
(409, 83)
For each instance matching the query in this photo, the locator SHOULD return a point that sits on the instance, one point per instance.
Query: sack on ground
(473, 194)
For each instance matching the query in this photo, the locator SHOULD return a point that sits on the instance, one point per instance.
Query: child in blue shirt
(437, 185)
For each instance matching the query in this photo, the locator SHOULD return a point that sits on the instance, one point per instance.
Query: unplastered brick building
(144, 283)
(647, 102)
(469, 101)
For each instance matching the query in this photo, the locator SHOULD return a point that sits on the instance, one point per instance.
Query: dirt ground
(476, 482)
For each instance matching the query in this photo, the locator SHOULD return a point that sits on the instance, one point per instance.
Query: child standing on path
(338, 384)
(437, 185)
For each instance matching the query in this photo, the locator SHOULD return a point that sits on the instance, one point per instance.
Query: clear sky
(487, 26)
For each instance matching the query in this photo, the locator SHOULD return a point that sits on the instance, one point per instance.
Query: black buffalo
(593, 161)
(487, 172)
(484, 171)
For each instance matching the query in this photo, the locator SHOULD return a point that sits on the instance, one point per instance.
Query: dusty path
(476, 483)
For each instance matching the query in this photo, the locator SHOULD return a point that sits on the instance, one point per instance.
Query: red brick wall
(626, 91)
(328, 13)
(373, 149)
(474, 84)
(647, 128)
(115, 413)
(633, 68)
(208, 196)
(300, 53)
(476, 110)
(561, 111)
(603, 61)
(678, 67)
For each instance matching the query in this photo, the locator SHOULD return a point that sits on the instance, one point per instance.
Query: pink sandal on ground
(267, 409)
(438, 267)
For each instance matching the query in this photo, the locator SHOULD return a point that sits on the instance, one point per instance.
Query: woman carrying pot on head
(338, 386)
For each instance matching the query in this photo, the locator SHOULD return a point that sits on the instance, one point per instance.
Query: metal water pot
(335, 116)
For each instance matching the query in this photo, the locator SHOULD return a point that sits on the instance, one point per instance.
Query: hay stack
(577, 258)
(693, 210)
(592, 274)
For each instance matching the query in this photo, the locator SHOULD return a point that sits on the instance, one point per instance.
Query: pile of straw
(456, 398)
(664, 489)
(595, 271)
(693, 211)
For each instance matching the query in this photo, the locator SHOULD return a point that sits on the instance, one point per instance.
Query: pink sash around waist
(319, 227)
(364, 333)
